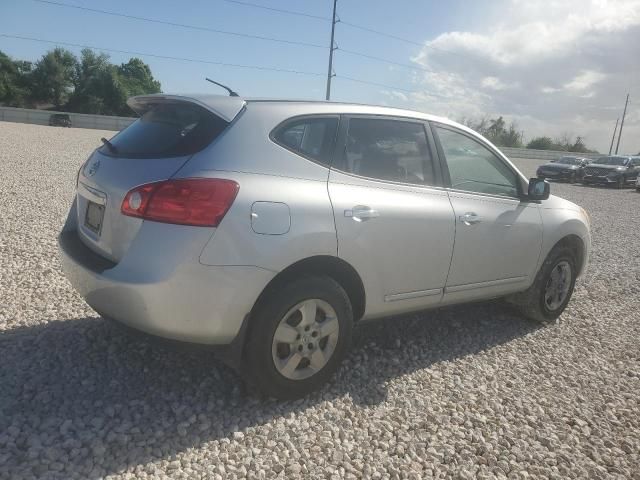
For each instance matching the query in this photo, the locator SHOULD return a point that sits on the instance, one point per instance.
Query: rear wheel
(552, 289)
(298, 337)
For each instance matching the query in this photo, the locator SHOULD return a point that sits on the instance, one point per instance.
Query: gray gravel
(468, 392)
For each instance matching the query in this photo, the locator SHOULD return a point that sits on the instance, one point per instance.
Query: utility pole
(615, 129)
(622, 123)
(331, 49)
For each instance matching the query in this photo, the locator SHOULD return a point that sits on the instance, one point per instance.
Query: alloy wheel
(558, 285)
(305, 339)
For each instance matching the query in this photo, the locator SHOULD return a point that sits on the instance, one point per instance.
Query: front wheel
(298, 337)
(551, 291)
(620, 182)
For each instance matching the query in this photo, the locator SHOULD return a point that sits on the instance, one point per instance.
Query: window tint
(390, 150)
(310, 137)
(167, 130)
(475, 168)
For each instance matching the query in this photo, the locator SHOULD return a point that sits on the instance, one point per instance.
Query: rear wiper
(109, 145)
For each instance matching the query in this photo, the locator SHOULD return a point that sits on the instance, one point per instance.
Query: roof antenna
(231, 92)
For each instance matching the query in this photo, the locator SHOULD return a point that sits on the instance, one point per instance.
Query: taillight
(190, 201)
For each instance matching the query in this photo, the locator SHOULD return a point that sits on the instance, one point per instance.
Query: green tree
(541, 143)
(15, 77)
(101, 87)
(496, 131)
(53, 77)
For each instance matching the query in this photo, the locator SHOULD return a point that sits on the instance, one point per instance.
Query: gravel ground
(467, 392)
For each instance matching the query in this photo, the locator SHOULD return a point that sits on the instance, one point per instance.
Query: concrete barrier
(78, 120)
(104, 122)
(543, 154)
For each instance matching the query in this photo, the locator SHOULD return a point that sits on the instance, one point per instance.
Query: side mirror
(539, 189)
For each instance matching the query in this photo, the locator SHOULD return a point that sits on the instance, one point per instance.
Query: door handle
(361, 213)
(470, 218)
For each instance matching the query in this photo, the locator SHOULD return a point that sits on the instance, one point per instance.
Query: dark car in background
(566, 168)
(59, 120)
(617, 170)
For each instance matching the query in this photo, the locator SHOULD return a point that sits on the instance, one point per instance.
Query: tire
(281, 312)
(620, 182)
(573, 178)
(533, 303)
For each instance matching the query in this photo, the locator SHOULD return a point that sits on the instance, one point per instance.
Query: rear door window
(167, 130)
(310, 137)
(389, 150)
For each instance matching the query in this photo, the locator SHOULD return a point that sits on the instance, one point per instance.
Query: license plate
(93, 217)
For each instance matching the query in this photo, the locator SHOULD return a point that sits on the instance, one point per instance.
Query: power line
(167, 57)
(378, 32)
(380, 59)
(181, 25)
(279, 10)
(224, 32)
(212, 62)
(366, 82)
(401, 39)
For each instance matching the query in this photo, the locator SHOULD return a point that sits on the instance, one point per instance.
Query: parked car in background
(567, 168)
(617, 170)
(269, 228)
(60, 120)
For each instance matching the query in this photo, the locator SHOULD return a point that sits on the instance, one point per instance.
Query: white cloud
(585, 80)
(553, 65)
(493, 83)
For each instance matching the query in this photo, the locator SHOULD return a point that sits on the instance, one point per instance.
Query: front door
(498, 236)
(394, 227)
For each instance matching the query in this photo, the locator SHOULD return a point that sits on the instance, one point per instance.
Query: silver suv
(268, 228)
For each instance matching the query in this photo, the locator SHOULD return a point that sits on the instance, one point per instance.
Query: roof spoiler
(224, 107)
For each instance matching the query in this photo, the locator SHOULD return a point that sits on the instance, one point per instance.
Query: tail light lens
(190, 201)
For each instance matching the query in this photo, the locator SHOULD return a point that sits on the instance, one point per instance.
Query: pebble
(467, 392)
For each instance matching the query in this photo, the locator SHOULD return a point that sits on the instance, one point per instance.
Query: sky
(554, 67)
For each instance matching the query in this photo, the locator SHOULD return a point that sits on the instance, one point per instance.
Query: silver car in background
(269, 228)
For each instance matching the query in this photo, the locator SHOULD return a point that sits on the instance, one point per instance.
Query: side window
(474, 168)
(309, 137)
(391, 150)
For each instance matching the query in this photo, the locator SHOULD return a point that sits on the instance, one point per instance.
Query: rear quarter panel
(311, 231)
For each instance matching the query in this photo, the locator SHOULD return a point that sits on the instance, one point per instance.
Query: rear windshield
(167, 130)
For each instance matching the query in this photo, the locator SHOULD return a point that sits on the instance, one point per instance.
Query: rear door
(498, 236)
(394, 224)
(151, 149)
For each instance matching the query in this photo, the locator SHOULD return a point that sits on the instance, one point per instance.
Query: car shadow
(98, 400)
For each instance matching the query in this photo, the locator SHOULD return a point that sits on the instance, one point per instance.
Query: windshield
(568, 161)
(612, 161)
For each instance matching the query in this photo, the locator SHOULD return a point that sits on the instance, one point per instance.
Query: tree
(15, 77)
(101, 87)
(495, 131)
(53, 77)
(541, 143)
(90, 80)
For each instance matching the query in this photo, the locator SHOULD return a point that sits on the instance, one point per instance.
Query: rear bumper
(179, 300)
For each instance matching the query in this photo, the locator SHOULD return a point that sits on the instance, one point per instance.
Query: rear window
(167, 130)
(311, 137)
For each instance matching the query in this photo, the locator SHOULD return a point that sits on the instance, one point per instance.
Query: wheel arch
(576, 244)
(334, 267)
